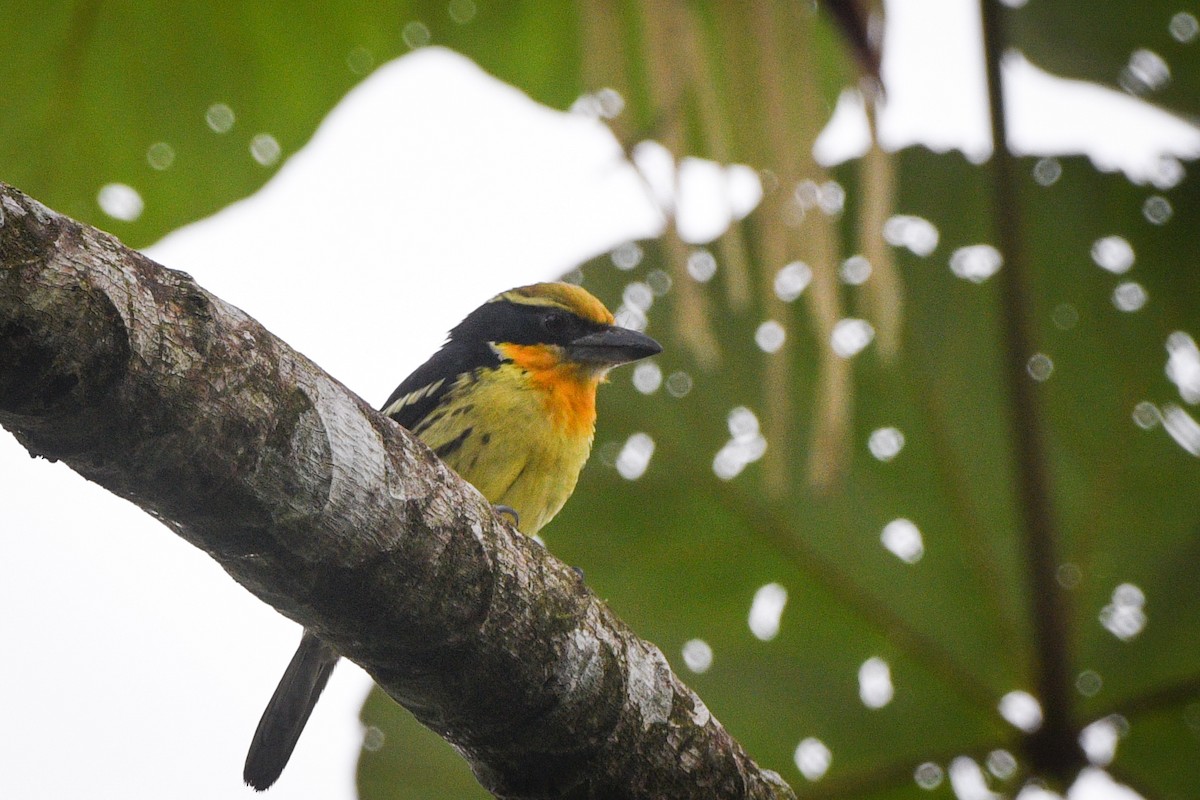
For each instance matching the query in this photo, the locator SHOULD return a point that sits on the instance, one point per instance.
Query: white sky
(136, 667)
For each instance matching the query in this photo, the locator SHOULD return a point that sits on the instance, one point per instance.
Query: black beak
(612, 346)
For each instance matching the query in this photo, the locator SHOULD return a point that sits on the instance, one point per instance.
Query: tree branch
(141, 381)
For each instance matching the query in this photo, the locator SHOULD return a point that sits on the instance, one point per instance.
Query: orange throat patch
(568, 390)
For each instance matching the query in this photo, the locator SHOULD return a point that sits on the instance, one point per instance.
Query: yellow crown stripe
(566, 296)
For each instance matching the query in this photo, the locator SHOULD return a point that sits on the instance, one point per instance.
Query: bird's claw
(510, 512)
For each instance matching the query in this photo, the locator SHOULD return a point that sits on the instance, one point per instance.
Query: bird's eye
(554, 323)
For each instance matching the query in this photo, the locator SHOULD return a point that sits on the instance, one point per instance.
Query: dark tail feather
(288, 711)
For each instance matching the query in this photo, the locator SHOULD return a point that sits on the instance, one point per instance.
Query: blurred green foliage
(679, 552)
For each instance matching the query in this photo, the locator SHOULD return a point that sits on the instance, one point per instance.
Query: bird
(509, 403)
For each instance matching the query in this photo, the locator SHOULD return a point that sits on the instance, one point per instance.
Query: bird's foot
(510, 512)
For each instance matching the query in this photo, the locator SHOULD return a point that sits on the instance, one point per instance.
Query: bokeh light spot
(1146, 72)
(885, 443)
(638, 295)
(1125, 616)
(220, 118)
(770, 336)
(850, 336)
(928, 776)
(1183, 366)
(634, 458)
(1065, 316)
(1145, 415)
(766, 611)
(875, 683)
(1021, 710)
(1040, 367)
(1183, 27)
(812, 758)
(976, 263)
(1129, 296)
(701, 265)
(1002, 764)
(918, 234)
(462, 11)
(792, 280)
(416, 34)
(627, 256)
(160, 156)
(746, 444)
(265, 149)
(1089, 683)
(902, 538)
(647, 377)
(697, 655)
(1099, 740)
(1113, 253)
(1157, 210)
(1047, 171)
(679, 384)
(120, 201)
(855, 271)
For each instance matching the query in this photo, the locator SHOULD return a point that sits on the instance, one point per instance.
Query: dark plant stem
(1052, 751)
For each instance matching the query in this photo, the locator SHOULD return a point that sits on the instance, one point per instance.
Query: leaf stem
(1052, 750)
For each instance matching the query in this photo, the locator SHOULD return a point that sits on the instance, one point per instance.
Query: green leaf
(954, 627)
(94, 86)
(99, 93)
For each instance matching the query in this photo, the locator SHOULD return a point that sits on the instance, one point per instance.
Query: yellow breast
(530, 432)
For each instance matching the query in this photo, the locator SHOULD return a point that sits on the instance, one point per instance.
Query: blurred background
(812, 501)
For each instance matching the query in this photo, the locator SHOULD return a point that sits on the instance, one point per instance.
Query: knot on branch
(43, 371)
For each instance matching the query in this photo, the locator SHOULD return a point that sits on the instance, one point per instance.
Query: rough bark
(141, 381)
